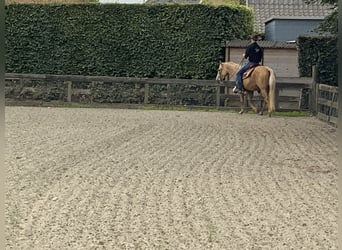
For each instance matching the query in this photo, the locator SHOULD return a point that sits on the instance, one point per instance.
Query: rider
(254, 54)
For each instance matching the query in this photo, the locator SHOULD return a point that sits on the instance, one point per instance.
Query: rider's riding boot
(236, 90)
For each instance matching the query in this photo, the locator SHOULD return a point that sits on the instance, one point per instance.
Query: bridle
(220, 78)
(219, 71)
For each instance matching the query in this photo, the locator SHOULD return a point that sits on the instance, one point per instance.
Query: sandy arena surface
(139, 179)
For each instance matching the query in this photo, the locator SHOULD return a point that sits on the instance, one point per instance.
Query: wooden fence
(284, 83)
(324, 100)
(288, 91)
(326, 103)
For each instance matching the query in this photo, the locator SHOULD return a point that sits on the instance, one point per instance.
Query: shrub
(322, 52)
(134, 40)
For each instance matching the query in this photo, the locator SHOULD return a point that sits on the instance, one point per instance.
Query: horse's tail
(271, 93)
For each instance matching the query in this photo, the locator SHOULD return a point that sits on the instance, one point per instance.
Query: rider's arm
(247, 51)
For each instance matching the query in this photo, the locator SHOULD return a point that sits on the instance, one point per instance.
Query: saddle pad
(249, 71)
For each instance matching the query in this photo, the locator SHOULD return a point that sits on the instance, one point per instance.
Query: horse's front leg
(250, 101)
(241, 103)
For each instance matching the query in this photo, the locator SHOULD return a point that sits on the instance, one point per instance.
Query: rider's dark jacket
(254, 53)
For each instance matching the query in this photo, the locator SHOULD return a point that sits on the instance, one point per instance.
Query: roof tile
(265, 9)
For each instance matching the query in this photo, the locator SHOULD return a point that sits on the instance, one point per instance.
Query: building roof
(264, 44)
(315, 18)
(266, 9)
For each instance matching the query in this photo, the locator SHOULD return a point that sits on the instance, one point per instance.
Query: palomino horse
(262, 79)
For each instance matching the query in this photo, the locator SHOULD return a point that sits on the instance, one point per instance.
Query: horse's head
(222, 72)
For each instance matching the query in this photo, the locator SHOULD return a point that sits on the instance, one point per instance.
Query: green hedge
(320, 51)
(172, 41)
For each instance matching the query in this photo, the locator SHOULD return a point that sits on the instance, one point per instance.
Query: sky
(121, 1)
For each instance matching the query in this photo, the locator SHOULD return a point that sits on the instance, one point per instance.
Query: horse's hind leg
(250, 101)
(265, 102)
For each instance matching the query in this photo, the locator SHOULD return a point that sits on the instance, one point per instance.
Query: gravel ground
(139, 179)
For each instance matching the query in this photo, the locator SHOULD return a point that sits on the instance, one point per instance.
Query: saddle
(249, 71)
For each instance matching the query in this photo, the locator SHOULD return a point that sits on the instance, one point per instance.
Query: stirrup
(236, 90)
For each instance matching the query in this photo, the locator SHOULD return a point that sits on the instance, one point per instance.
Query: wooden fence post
(218, 93)
(136, 87)
(69, 83)
(227, 59)
(92, 90)
(314, 91)
(277, 98)
(147, 92)
(168, 87)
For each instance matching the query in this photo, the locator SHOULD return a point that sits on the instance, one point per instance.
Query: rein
(240, 64)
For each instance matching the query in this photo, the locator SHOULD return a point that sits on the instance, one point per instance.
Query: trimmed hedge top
(173, 41)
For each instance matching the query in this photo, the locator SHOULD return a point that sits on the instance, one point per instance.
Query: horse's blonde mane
(231, 67)
(233, 64)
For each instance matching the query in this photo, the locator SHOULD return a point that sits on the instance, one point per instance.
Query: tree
(330, 23)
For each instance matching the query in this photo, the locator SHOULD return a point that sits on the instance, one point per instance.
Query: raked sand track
(139, 179)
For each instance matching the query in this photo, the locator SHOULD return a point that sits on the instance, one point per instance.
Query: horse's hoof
(261, 113)
(241, 112)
